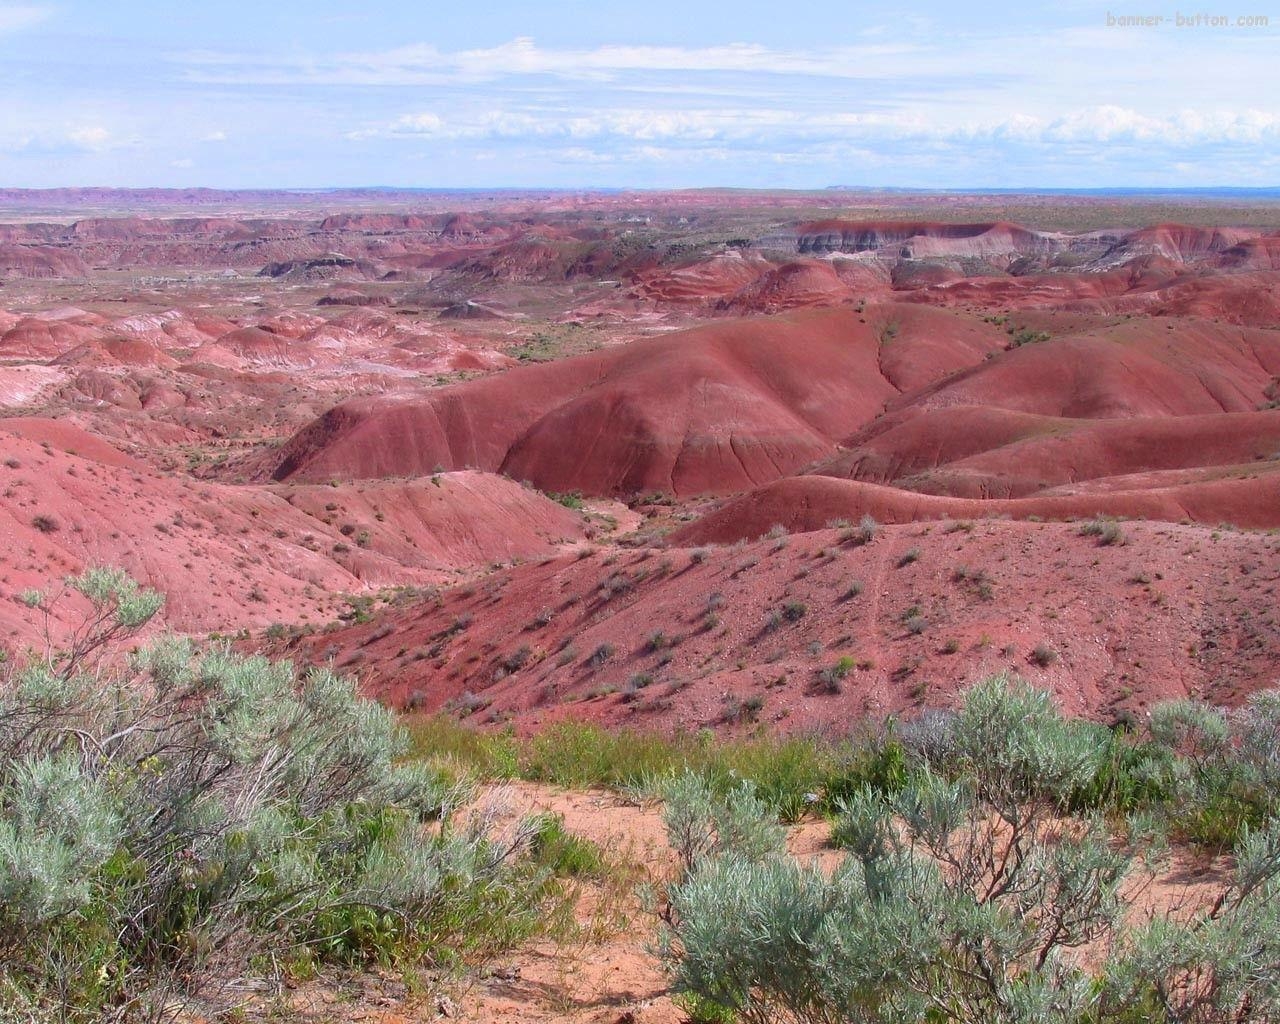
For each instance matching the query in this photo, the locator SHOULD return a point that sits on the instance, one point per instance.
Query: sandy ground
(606, 971)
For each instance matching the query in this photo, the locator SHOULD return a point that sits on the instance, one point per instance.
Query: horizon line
(1119, 190)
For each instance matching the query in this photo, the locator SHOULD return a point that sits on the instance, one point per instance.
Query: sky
(646, 94)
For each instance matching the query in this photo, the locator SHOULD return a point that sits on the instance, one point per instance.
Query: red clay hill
(230, 557)
(708, 411)
(677, 460)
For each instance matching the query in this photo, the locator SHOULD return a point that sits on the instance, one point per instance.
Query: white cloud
(72, 141)
(964, 100)
(94, 138)
(422, 63)
(18, 17)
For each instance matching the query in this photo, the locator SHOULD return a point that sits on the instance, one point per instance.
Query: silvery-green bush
(1257, 729)
(970, 896)
(702, 821)
(183, 807)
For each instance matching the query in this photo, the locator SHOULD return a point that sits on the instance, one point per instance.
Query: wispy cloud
(423, 64)
(79, 140)
(17, 17)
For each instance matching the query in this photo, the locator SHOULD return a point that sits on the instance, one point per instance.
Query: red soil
(449, 522)
(790, 286)
(1184, 243)
(981, 452)
(154, 420)
(40, 261)
(703, 281)
(1250, 498)
(261, 555)
(40, 338)
(690, 638)
(1147, 367)
(1254, 254)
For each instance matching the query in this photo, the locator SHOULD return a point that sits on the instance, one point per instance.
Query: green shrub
(183, 806)
(832, 676)
(703, 822)
(569, 499)
(880, 766)
(1256, 727)
(962, 899)
(1027, 336)
(794, 611)
(864, 533)
(560, 851)
(908, 557)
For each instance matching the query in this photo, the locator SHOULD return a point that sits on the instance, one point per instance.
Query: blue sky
(651, 93)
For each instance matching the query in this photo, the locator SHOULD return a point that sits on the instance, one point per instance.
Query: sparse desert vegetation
(639, 607)
(967, 891)
(180, 815)
(192, 815)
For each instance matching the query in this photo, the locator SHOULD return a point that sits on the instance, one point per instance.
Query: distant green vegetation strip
(1209, 774)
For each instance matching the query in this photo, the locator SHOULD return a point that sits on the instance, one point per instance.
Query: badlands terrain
(704, 459)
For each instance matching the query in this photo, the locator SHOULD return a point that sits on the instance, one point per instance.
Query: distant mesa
(914, 239)
(353, 297)
(331, 266)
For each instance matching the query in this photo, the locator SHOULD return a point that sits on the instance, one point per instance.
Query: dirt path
(605, 972)
(600, 968)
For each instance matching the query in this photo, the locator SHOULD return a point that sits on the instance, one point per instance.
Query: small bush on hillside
(517, 659)
(864, 533)
(979, 579)
(833, 675)
(613, 585)
(794, 611)
(1026, 336)
(1107, 531)
(571, 499)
